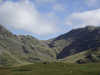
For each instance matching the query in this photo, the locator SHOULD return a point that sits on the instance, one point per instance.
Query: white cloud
(45, 1)
(23, 15)
(92, 2)
(58, 7)
(82, 19)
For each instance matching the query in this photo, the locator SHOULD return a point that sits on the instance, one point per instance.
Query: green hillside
(20, 49)
(77, 46)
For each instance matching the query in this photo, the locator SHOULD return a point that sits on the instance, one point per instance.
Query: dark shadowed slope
(76, 41)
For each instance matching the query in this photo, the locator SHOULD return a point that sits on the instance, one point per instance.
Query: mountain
(21, 49)
(79, 45)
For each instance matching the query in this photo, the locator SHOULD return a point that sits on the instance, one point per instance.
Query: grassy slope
(53, 69)
(85, 56)
(18, 49)
(75, 57)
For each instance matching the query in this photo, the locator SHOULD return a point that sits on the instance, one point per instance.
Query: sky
(46, 19)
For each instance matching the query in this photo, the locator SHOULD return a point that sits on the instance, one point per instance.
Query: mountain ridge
(82, 44)
(77, 41)
(23, 48)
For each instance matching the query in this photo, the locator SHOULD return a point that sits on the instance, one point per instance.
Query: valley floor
(52, 69)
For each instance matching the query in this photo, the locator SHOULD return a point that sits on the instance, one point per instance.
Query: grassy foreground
(53, 69)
